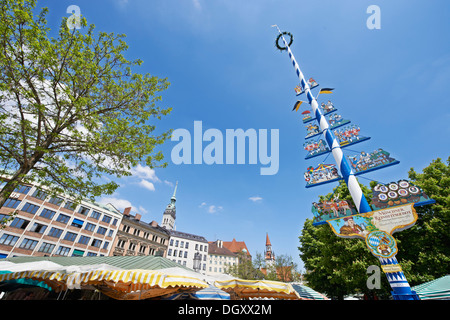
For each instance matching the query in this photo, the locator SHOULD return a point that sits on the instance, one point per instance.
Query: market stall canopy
(244, 289)
(121, 262)
(438, 289)
(210, 293)
(54, 279)
(138, 284)
(308, 293)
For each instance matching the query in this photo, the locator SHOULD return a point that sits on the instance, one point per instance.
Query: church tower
(170, 213)
(268, 254)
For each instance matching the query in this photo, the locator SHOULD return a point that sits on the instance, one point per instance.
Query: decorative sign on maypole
(394, 203)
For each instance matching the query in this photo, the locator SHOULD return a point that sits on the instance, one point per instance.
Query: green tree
(71, 107)
(245, 269)
(337, 266)
(283, 269)
(424, 249)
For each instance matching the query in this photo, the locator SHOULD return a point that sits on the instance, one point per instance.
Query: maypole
(379, 241)
(352, 183)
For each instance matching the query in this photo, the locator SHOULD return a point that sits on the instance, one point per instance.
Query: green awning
(438, 289)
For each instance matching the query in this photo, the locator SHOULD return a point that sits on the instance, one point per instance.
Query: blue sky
(225, 71)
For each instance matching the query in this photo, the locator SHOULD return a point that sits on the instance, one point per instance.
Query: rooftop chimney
(137, 217)
(126, 212)
(154, 223)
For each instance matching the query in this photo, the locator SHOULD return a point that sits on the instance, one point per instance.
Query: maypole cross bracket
(291, 39)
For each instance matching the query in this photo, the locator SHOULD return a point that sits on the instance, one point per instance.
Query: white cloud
(255, 198)
(214, 209)
(122, 204)
(147, 185)
(145, 173)
(142, 210)
(119, 204)
(168, 183)
(202, 205)
(197, 4)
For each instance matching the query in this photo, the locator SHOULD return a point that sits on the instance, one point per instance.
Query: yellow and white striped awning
(242, 289)
(55, 279)
(132, 280)
(119, 284)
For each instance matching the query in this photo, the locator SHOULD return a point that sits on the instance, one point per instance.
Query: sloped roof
(214, 249)
(122, 262)
(435, 289)
(236, 246)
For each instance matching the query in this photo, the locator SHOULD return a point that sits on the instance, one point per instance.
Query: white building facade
(220, 259)
(55, 226)
(185, 248)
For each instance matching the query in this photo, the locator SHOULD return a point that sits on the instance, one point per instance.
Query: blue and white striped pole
(397, 280)
(352, 183)
(395, 276)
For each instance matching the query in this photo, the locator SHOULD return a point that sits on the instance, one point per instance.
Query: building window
(89, 227)
(47, 213)
(83, 210)
(106, 219)
(142, 249)
(70, 236)
(70, 205)
(39, 194)
(8, 240)
(126, 229)
(169, 252)
(22, 189)
(84, 240)
(171, 242)
(30, 208)
(96, 215)
(101, 230)
(96, 243)
(110, 233)
(12, 203)
(39, 228)
(63, 251)
(55, 232)
(114, 222)
(121, 244)
(77, 223)
(63, 218)
(56, 200)
(105, 245)
(185, 254)
(28, 244)
(187, 245)
(136, 232)
(132, 246)
(176, 243)
(46, 247)
(20, 223)
(91, 254)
